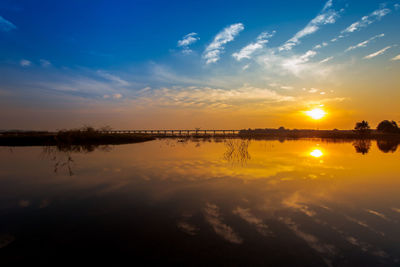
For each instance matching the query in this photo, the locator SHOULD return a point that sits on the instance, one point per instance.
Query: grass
(67, 139)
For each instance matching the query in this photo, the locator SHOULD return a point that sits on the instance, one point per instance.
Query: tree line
(384, 126)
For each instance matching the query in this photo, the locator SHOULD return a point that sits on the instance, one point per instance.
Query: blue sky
(114, 61)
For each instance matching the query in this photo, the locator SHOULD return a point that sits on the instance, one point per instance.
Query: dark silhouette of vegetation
(362, 146)
(362, 127)
(86, 138)
(387, 146)
(388, 127)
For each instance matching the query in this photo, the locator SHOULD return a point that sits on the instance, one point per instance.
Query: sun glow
(316, 153)
(316, 113)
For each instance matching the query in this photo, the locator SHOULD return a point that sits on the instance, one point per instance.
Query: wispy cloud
(365, 43)
(206, 97)
(249, 49)
(311, 240)
(25, 63)
(45, 63)
(326, 16)
(213, 51)
(319, 46)
(112, 78)
(380, 52)
(378, 214)
(299, 65)
(246, 215)
(6, 25)
(187, 40)
(188, 228)
(295, 64)
(326, 60)
(214, 218)
(396, 57)
(114, 96)
(366, 20)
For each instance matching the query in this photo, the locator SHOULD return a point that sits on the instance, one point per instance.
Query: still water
(223, 202)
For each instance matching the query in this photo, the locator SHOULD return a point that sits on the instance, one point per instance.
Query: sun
(316, 113)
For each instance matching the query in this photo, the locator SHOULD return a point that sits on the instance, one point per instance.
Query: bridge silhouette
(177, 132)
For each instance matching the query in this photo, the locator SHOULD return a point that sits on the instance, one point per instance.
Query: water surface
(225, 202)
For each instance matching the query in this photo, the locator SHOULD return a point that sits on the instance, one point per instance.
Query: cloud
(299, 65)
(114, 96)
(365, 21)
(295, 63)
(326, 60)
(396, 6)
(378, 214)
(25, 63)
(326, 16)
(112, 78)
(207, 97)
(45, 63)
(187, 40)
(117, 96)
(188, 228)
(6, 25)
(213, 50)
(365, 43)
(80, 86)
(319, 46)
(214, 218)
(380, 52)
(249, 49)
(396, 57)
(246, 215)
(311, 240)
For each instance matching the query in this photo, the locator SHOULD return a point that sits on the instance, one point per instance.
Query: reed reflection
(62, 155)
(237, 151)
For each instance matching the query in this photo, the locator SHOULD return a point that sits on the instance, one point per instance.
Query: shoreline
(82, 138)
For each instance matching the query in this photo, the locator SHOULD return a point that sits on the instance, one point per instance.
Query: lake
(202, 202)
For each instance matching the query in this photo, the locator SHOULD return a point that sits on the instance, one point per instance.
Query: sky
(151, 64)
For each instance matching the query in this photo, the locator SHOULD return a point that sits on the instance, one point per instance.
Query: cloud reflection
(214, 218)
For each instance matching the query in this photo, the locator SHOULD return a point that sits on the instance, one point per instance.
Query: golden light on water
(316, 153)
(316, 113)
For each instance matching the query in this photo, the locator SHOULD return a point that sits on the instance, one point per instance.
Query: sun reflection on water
(316, 153)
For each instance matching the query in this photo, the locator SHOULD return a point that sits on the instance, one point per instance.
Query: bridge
(177, 132)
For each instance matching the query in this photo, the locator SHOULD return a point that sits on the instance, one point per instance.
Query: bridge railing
(177, 132)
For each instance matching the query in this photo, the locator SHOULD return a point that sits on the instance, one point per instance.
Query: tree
(362, 127)
(388, 127)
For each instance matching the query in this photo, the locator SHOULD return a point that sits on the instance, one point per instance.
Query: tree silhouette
(362, 127)
(388, 127)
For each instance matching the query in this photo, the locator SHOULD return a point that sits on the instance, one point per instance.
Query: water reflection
(387, 145)
(362, 146)
(235, 202)
(237, 152)
(62, 155)
(316, 153)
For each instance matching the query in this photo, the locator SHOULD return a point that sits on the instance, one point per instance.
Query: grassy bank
(67, 138)
(322, 134)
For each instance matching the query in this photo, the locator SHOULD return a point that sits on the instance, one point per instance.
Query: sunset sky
(148, 64)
